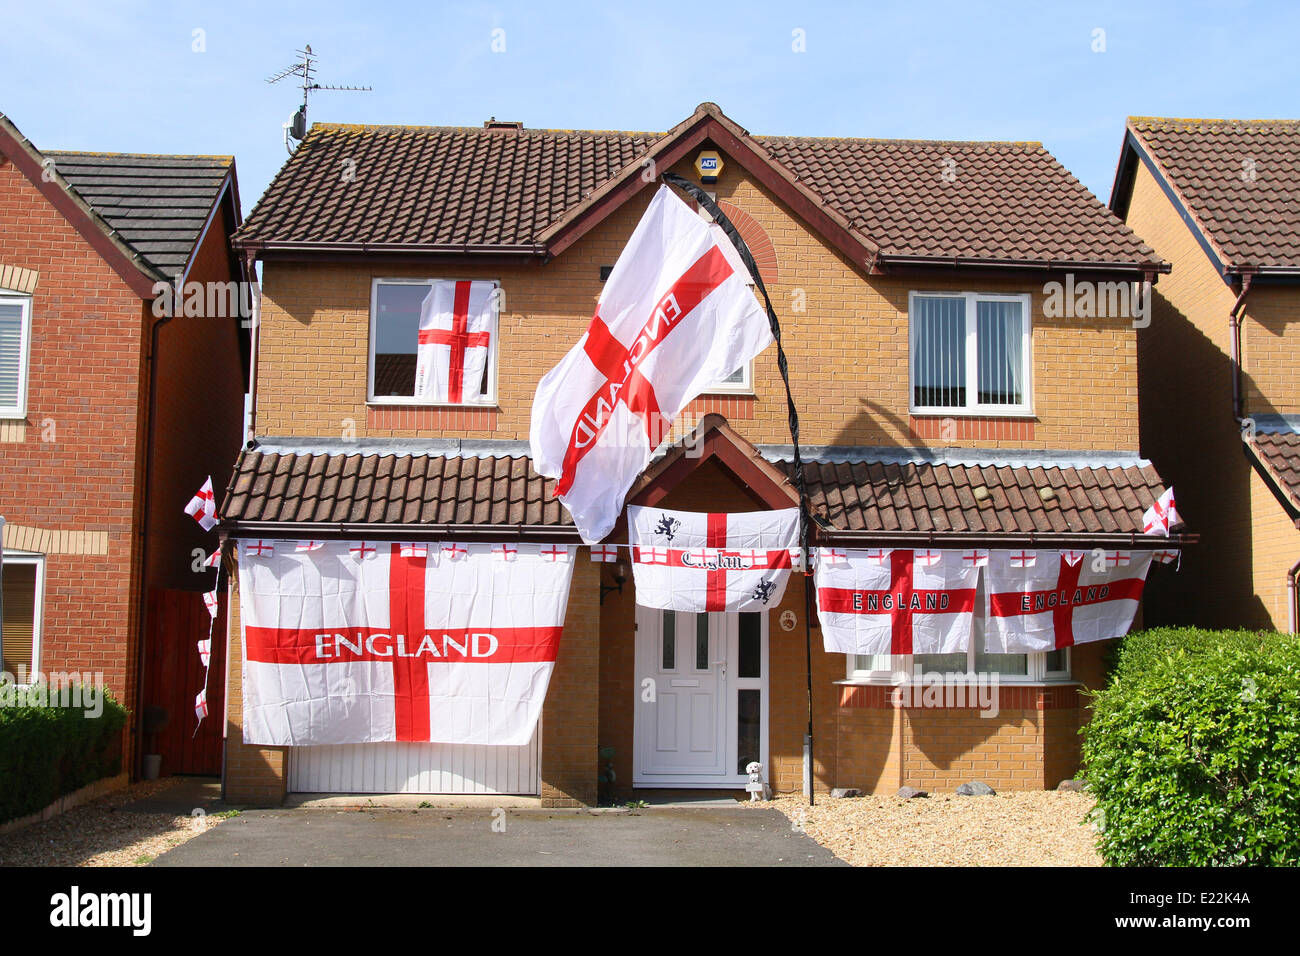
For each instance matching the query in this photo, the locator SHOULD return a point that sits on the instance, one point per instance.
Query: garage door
(414, 768)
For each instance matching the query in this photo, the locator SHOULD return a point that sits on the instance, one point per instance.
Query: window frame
(19, 411)
(1036, 667)
(489, 399)
(970, 324)
(38, 606)
(744, 387)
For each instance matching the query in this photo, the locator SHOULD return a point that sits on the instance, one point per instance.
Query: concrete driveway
(658, 836)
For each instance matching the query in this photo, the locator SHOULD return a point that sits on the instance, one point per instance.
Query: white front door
(701, 698)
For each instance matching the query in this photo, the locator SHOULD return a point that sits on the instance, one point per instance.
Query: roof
(510, 190)
(157, 204)
(1239, 180)
(1279, 453)
(308, 490)
(924, 497)
(318, 493)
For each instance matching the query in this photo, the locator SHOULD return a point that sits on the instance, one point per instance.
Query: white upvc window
(394, 339)
(23, 585)
(739, 382)
(15, 353)
(970, 353)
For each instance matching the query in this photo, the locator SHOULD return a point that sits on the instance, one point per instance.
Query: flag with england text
(457, 322)
(676, 315)
(366, 641)
(686, 561)
(1055, 603)
(896, 601)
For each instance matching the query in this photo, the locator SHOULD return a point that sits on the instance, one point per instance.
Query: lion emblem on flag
(667, 527)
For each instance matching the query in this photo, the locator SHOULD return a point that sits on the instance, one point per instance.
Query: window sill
(991, 412)
(409, 403)
(966, 679)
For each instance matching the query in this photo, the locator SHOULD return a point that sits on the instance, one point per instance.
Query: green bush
(47, 751)
(1193, 750)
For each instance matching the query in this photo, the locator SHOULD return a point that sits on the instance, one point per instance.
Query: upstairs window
(15, 336)
(969, 353)
(433, 341)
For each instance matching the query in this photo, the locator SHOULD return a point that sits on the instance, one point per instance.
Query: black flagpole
(705, 200)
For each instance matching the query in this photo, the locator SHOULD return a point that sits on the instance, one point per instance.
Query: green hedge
(47, 751)
(1193, 750)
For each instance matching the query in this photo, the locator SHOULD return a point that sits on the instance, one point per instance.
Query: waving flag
(456, 324)
(1056, 604)
(675, 315)
(407, 645)
(684, 561)
(889, 602)
(1161, 516)
(203, 506)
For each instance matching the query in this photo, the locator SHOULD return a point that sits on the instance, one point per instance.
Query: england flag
(676, 314)
(457, 321)
(342, 646)
(203, 506)
(686, 561)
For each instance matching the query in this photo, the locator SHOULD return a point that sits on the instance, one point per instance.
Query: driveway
(658, 836)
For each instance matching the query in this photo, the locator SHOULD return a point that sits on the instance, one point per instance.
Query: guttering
(261, 247)
(334, 531)
(255, 340)
(1134, 540)
(1293, 599)
(1036, 265)
(1234, 342)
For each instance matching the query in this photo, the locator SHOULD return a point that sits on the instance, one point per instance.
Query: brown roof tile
(1279, 453)
(1240, 179)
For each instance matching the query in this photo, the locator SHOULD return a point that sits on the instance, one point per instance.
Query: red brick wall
(83, 392)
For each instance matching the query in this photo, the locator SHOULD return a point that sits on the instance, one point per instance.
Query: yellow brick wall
(1277, 549)
(1185, 382)
(848, 351)
(1270, 350)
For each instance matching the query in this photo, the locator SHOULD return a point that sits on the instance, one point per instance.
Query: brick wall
(71, 464)
(1231, 579)
(571, 715)
(848, 347)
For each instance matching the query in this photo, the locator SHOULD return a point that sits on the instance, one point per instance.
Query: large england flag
(364, 641)
(686, 561)
(676, 315)
(456, 324)
(882, 601)
(1062, 599)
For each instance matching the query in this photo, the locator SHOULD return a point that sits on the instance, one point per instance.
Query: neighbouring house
(111, 416)
(945, 402)
(1219, 365)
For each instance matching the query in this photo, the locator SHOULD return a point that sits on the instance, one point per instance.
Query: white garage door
(414, 768)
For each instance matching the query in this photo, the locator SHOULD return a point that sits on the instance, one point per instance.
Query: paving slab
(658, 836)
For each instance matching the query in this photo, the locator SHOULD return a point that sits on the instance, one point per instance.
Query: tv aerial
(305, 68)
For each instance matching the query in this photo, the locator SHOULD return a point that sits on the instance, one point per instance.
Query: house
(943, 404)
(112, 413)
(1217, 367)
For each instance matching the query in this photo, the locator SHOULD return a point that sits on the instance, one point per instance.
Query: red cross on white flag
(1166, 557)
(1161, 516)
(454, 551)
(689, 561)
(308, 546)
(205, 651)
(553, 552)
(676, 314)
(831, 556)
(259, 548)
(975, 558)
(414, 549)
(363, 550)
(210, 601)
(456, 323)
(1023, 559)
(606, 553)
(401, 648)
(201, 704)
(874, 555)
(927, 559)
(505, 551)
(1073, 557)
(214, 559)
(203, 506)
(1056, 604)
(1118, 559)
(896, 606)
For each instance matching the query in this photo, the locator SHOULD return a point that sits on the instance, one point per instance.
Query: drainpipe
(1234, 342)
(1293, 599)
(250, 261)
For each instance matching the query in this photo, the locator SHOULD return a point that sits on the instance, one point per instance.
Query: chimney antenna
(306, 69)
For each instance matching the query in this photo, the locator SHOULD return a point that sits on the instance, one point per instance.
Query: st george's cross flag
(457, 322)
(203, 506)
(888, 602)
(676, 315)
(1056, 603)
(1162, 515)
(405, 645)
(687, 561)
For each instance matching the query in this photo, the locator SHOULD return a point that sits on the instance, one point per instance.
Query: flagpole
(705, 200)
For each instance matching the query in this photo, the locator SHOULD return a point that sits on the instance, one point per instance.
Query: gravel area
(105, 832)
(1026, 828)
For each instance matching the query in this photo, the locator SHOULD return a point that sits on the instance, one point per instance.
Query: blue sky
(126, 76)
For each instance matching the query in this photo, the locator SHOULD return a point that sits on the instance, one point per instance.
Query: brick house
(110, 417)
(871, 249)
(1218, 363)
